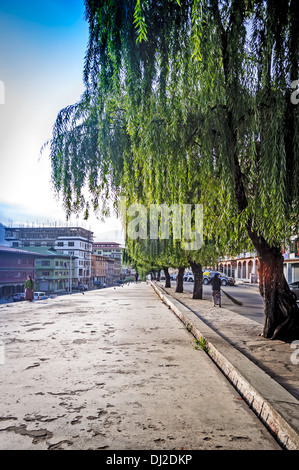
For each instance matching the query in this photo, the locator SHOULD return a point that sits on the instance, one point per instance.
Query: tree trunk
(281, 313)
(179, 280)
(167, 277)
(197, 273)
(159, 275)
(280, 308)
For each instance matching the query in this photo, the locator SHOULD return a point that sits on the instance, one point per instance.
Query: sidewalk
(115, 369)
(265, 372)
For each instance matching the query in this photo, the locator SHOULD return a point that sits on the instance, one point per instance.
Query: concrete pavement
(265, 372)
(115, 369)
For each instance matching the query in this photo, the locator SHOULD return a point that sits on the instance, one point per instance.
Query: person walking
(216, 290)
(29, 287)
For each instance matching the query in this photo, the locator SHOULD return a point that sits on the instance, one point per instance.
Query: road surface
(250, 297)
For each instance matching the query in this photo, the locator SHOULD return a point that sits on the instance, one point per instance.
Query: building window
(45, 263)
(60, 244)
(71, 244)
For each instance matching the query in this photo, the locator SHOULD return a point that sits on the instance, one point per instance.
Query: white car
(40, 296)
(189, 277)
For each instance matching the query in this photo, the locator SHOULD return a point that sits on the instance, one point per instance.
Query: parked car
(83, 286)
(79, 287)
(294, 287)
(18, 297)
(173, 277)
(74, 288)
(99, 284)
(188, 277)
(40, 296)
(205, 277)
(225, 280)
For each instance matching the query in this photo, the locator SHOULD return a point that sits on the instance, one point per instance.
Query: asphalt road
(250, 297)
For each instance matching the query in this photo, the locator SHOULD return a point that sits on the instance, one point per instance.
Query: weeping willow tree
(172, 233)
(202, 85)
(156, 239)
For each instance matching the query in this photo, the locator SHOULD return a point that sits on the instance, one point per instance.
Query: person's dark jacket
(216, 283)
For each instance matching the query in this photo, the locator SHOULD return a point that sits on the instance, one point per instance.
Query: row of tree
(152, 256)
(188, 102)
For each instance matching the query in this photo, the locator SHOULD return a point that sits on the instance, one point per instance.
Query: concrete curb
(275, 407)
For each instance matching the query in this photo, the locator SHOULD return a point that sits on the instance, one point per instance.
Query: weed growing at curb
(202, 343)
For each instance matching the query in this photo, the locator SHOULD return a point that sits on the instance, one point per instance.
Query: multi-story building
(110, 271)
(79, 249)
(54, 271)
(110, 250)
(75, 242)
(103, 269)
(244, 267)
(98, 268)
(15, 266)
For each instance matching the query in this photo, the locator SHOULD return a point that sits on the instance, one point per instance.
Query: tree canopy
(189, 102)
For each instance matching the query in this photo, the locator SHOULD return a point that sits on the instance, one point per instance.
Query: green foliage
(139, 22)
(187, 102)
(202, 343)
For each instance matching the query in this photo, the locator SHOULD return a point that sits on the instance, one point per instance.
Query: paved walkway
(114, 369)
(265, 372)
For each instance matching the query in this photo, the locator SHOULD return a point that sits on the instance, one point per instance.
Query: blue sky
(42, 48)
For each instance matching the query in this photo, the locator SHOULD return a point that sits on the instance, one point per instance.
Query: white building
(73, 241)
(79, 249)
(244, 267)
